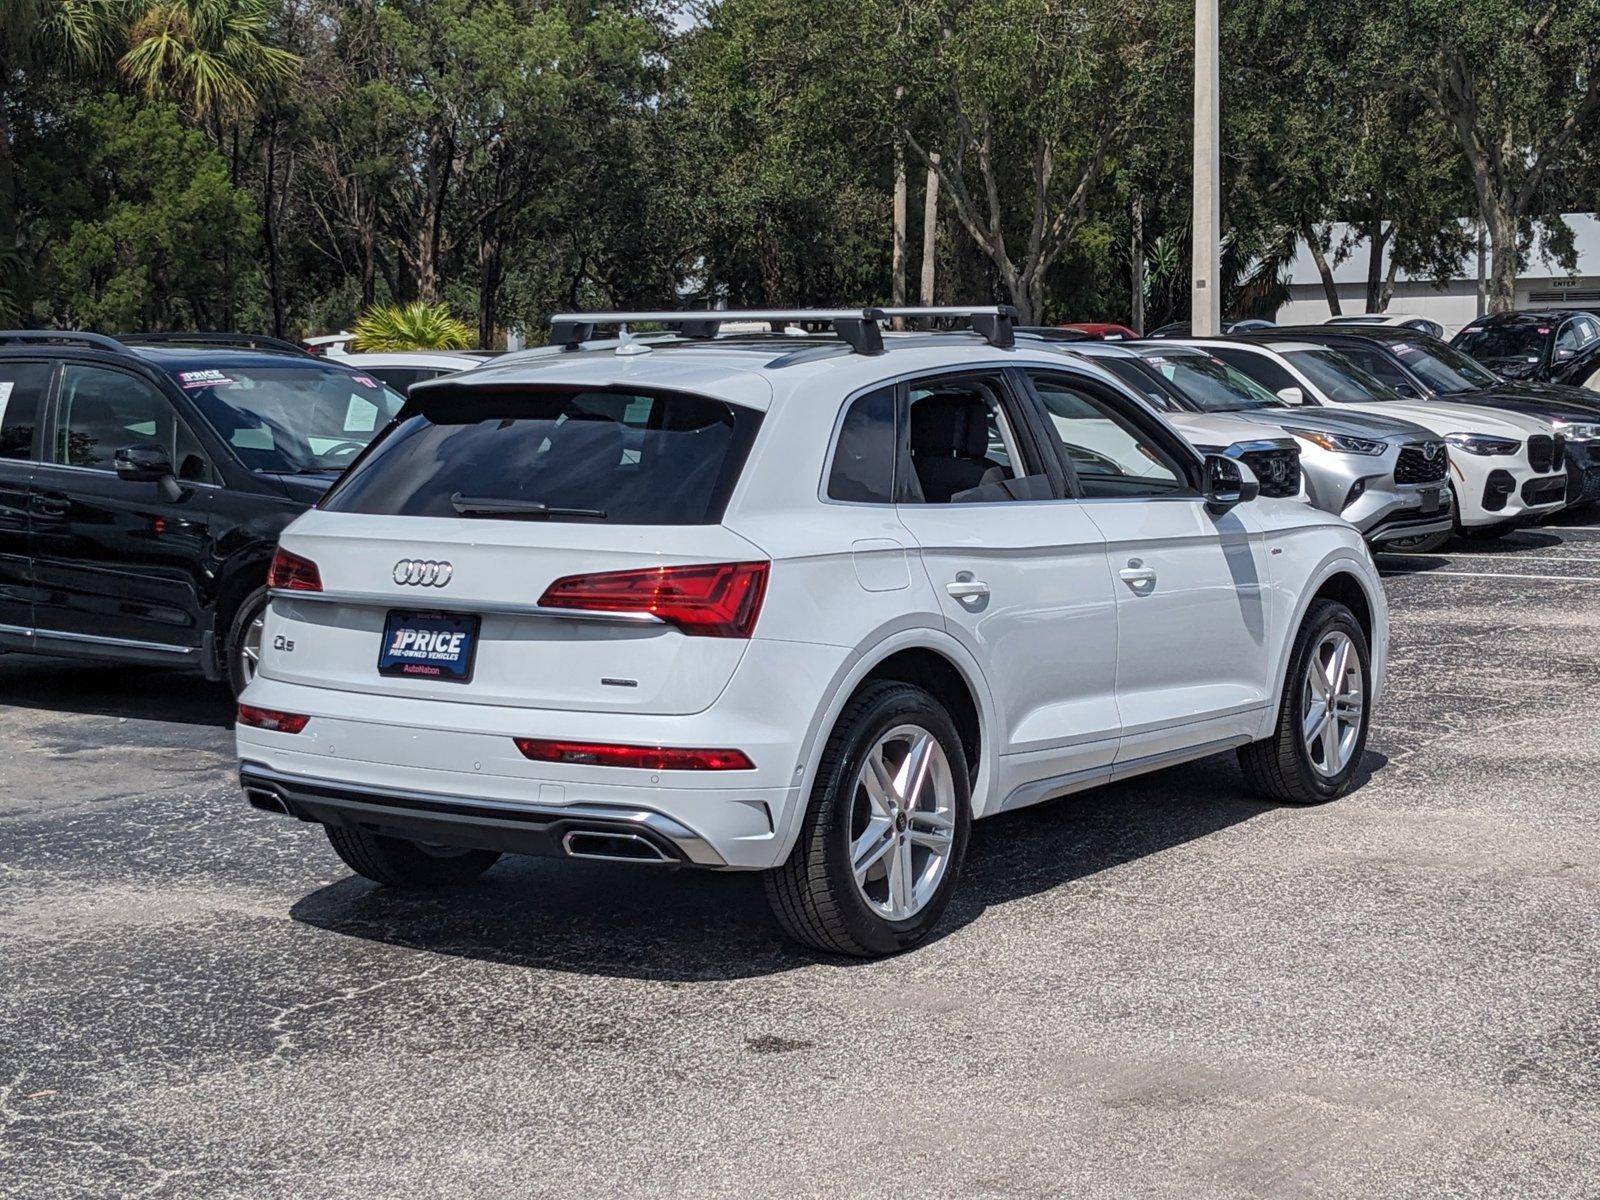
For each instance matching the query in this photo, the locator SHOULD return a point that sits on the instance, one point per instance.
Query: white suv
(802, 605)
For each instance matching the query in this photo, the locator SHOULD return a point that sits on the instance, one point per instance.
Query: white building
(1543, 284)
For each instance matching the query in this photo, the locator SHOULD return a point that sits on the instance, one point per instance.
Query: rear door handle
(47, 506)
(1138, 576)
(967, 589)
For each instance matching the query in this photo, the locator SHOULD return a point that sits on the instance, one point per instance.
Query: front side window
(555, 454)
(1378, 365)
(101, 411)
(291, 420)
(1569, 340)
(1110, 454)
(863, 457)
(22, 388)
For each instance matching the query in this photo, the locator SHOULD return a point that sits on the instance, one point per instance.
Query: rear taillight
(714, 600)
(646, 758)
(271, 718)
(290, 572)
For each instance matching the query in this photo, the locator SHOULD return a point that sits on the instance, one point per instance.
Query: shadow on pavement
(113, 689)
(637, 922)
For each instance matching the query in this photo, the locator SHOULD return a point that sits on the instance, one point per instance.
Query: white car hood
(1221, 429)
(1443, 417)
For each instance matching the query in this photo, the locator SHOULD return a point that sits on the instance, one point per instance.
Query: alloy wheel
(1334, 695)
(902, 822)
(250, 646)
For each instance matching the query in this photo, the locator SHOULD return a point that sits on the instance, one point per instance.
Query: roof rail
(246, 341)
(861, 327)
(98, 341)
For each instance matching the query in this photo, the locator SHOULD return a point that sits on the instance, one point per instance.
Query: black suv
(1545, 345)
(1420, 367)
(144, 482)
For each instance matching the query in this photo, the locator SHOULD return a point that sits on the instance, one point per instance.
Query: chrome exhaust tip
(608, 846)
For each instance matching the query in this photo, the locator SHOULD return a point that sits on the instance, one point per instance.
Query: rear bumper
(626, 832)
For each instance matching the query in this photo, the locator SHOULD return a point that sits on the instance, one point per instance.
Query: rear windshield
(294, 420)
(560, 455)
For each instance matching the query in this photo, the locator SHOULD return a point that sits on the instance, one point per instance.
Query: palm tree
(212, 57)
(415, 326)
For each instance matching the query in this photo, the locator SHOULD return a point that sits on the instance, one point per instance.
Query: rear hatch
(458, 560)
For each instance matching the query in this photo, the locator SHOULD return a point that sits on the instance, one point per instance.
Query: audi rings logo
(422, 572)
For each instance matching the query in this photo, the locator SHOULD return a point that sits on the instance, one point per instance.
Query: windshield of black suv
(291, 420)
(1209, 384)
(1444, 369)
(1339, 379)
(518, 453)
(1522, 339)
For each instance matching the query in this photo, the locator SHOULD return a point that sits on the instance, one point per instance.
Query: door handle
(1137, 576)
(967, 589)
(47, 506)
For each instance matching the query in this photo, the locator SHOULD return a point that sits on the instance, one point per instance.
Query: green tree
(165, 219)
(214, 58)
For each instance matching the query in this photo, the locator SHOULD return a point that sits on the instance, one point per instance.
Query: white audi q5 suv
(800, 605)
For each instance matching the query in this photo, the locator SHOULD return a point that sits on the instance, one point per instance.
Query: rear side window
(22, 386)
(625, 458)
(863, 458)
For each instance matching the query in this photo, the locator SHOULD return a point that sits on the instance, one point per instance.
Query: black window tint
(863, 458)
(626, 458)
(1258, 366)
(101, 411)
(960, 445)
(22, 386)
(1380, 366)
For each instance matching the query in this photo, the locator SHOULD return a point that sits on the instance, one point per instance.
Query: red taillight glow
(290, 572)
(714, 600)
(645, 758)
(271, 718)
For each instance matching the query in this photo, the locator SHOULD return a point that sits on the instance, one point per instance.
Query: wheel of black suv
(1426, 543)
(414, 866)
(242, 651)
(885, 832)
(1316, 749)
(1486, 533)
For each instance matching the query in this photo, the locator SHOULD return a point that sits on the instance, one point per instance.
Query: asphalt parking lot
(1164, 988)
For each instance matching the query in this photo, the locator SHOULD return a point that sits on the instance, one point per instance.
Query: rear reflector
(645, 758)
(271, 718)
(712, 600)
(290, 572)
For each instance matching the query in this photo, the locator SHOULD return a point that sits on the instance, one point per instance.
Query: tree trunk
(930, 230)
(1330, 289)
(269, 231)
(491, 270)
(1136, 263)
(1377, 241)
(897, 278)
(1502, 223)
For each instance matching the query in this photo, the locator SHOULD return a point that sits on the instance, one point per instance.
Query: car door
(23, 384)
(1191, 586)
(117, 561)
(1019, 569)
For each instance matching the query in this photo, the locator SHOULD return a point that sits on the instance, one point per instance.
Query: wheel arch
(924, 656)
(1353, 582)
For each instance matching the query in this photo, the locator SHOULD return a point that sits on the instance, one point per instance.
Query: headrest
(950, 423)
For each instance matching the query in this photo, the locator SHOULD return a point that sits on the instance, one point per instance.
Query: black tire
(813, 893)
(1424, 544)
(398, 863)
(249, 610)
(1486, 533)
(1279, 767)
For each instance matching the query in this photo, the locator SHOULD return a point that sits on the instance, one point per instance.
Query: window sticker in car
(360, 415)
(203, 379)
(5, 397)
(366, 381)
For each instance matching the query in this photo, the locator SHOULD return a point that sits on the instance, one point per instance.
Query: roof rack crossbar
(98, 341)
(248, 341)
(862, 328)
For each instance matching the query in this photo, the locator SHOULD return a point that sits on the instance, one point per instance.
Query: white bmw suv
(800, 605)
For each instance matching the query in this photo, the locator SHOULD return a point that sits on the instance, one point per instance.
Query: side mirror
(1228, 482)
(147, 464)
(1407, 392)
(1291, 395)
(142, 464)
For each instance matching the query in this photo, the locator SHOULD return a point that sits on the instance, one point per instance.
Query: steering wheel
(345, 449)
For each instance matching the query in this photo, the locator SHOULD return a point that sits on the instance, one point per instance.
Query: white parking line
(1517, 557)
(1488, 575)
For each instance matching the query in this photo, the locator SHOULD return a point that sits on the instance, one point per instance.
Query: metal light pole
(1205, 295)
